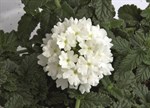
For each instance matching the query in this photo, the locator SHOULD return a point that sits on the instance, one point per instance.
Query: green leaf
(143, 73)
(10, 86)
(57, 98)
(33, 87)
(7, 75)
(8, 42)
(146, 13)
(104, 10)
(26, 25)
(9, 71)
(121, 104)
(3, 76)
(131, 61)
(47, 21)
(74, 94)
(83, 2)
(139, 40)
(146, 59)
(130, 13)
(31, 6)
(114, 23)
(148, 97)
(124, 79)
(95, 100)
(148, 0)
(84, 11)
(15, 102)
(121, 45)
(141, 91)
(67, 11)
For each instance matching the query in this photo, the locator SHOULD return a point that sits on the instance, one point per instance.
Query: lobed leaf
(143, 73)
(104, 10)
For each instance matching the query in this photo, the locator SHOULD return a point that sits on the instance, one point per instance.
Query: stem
(57, 2)
(77, 103)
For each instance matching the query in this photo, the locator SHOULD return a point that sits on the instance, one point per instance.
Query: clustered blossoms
(77, 54)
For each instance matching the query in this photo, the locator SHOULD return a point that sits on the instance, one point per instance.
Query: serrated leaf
(130, 13)
(85, 11)
(114, 23)
(139, 40)
(10, 86)
(94, 100)
(146, 13)
(74, 94)
(26, 25)
(121, 104)
(57, 98)
(148, 97)
(33, 87)
(15, 102)
(148, 0)
(131, 61)
(143, 73)
(10, 66)
(31, 6)
(67, 11)
(8, 42)
(45, 19)
(141, 91)
(74, 3)
(83, 2)
(124, 79)
(104, 10)
(3, 78)
(7, 75)
(121, 45)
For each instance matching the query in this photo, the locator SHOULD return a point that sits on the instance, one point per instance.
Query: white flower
(63, 83)
(65, 41)
(88, 47)
(42, 60)
(67, 60)
(85, 88)
(48, 37)
(51, 49)
(82, 65)
(72, 76)
(77, 54)
(53, 69)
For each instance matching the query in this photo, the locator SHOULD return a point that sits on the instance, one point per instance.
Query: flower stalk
(77, 105)
(57, 2)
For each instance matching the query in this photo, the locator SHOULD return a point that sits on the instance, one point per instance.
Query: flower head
(77, 54)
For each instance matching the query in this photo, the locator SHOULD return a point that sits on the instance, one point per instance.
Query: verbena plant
(24, 84)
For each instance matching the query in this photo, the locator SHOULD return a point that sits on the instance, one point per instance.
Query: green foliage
(121, 104)
(23, 83)
(121, 45)
(104, 10)
(8, 42)
(131, 61)
(95, 100)
(146, 13)
(32, 6)
(130, 14)
(15, 102)
(148, 0)
(143, 73)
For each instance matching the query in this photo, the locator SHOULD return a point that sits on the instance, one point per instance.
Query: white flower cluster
(77, 54)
